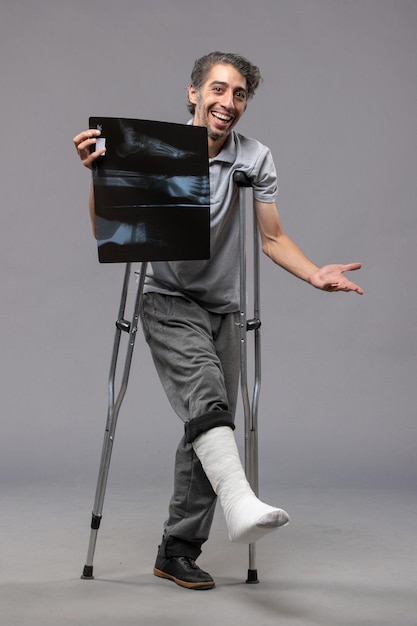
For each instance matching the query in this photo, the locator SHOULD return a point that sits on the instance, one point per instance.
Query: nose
(228, 99)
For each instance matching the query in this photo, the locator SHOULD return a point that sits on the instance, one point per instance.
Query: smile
(222, 117)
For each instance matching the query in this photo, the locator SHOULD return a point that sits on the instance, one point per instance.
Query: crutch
(114, 403)
(250, 408)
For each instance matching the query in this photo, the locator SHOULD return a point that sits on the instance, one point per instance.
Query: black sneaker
(184, 571)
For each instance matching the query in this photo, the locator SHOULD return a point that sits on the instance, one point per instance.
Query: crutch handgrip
(123, 325)
(254, 324)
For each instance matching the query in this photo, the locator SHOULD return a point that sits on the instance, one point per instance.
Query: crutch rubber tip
(87, 572)
(252, 578)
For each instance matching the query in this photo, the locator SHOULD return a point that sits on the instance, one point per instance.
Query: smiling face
(219, 103)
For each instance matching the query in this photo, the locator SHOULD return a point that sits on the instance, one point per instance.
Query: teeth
(223, 118)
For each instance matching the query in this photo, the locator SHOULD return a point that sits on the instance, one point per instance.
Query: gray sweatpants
(196, 354)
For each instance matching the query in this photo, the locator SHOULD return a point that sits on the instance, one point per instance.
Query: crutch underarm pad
(202, 424)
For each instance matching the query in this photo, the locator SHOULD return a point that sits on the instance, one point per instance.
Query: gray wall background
(338, 109)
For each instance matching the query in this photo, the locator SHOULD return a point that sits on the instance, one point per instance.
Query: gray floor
(347, 558)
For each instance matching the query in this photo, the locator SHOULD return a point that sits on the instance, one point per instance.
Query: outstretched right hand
(83, 143)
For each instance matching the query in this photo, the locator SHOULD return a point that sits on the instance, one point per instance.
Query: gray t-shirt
(214, 283)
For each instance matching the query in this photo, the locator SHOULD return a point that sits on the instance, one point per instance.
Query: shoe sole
(184, 583)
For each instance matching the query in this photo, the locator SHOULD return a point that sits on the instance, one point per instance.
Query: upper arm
(269, 223)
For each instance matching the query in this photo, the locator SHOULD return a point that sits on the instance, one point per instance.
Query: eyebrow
(224, 84)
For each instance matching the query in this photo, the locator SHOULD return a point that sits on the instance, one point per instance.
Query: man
(190, 316)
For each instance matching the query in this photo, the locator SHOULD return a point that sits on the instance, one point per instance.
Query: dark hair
(203, 66)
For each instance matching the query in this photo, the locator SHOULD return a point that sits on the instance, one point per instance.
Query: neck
(215, 145)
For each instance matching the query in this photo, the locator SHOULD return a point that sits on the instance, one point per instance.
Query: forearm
(278, 246)
(284, 252)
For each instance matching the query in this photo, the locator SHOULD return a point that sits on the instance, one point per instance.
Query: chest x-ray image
(151, 191)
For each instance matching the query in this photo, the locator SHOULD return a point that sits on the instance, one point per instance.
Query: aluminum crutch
(114, 403)
(250, 408)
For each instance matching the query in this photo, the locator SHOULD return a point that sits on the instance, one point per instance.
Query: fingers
(349, 286)
(83, 142)
(342, 283)
(350, 267)
(344, 286)
(356, 288)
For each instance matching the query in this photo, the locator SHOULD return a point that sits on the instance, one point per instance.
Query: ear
(192, 94)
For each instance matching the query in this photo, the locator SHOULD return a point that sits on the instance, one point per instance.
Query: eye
(241, 95)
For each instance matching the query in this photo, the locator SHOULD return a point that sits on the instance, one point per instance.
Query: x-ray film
(151, 191)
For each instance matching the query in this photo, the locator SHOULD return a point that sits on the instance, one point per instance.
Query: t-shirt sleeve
(264, 177)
